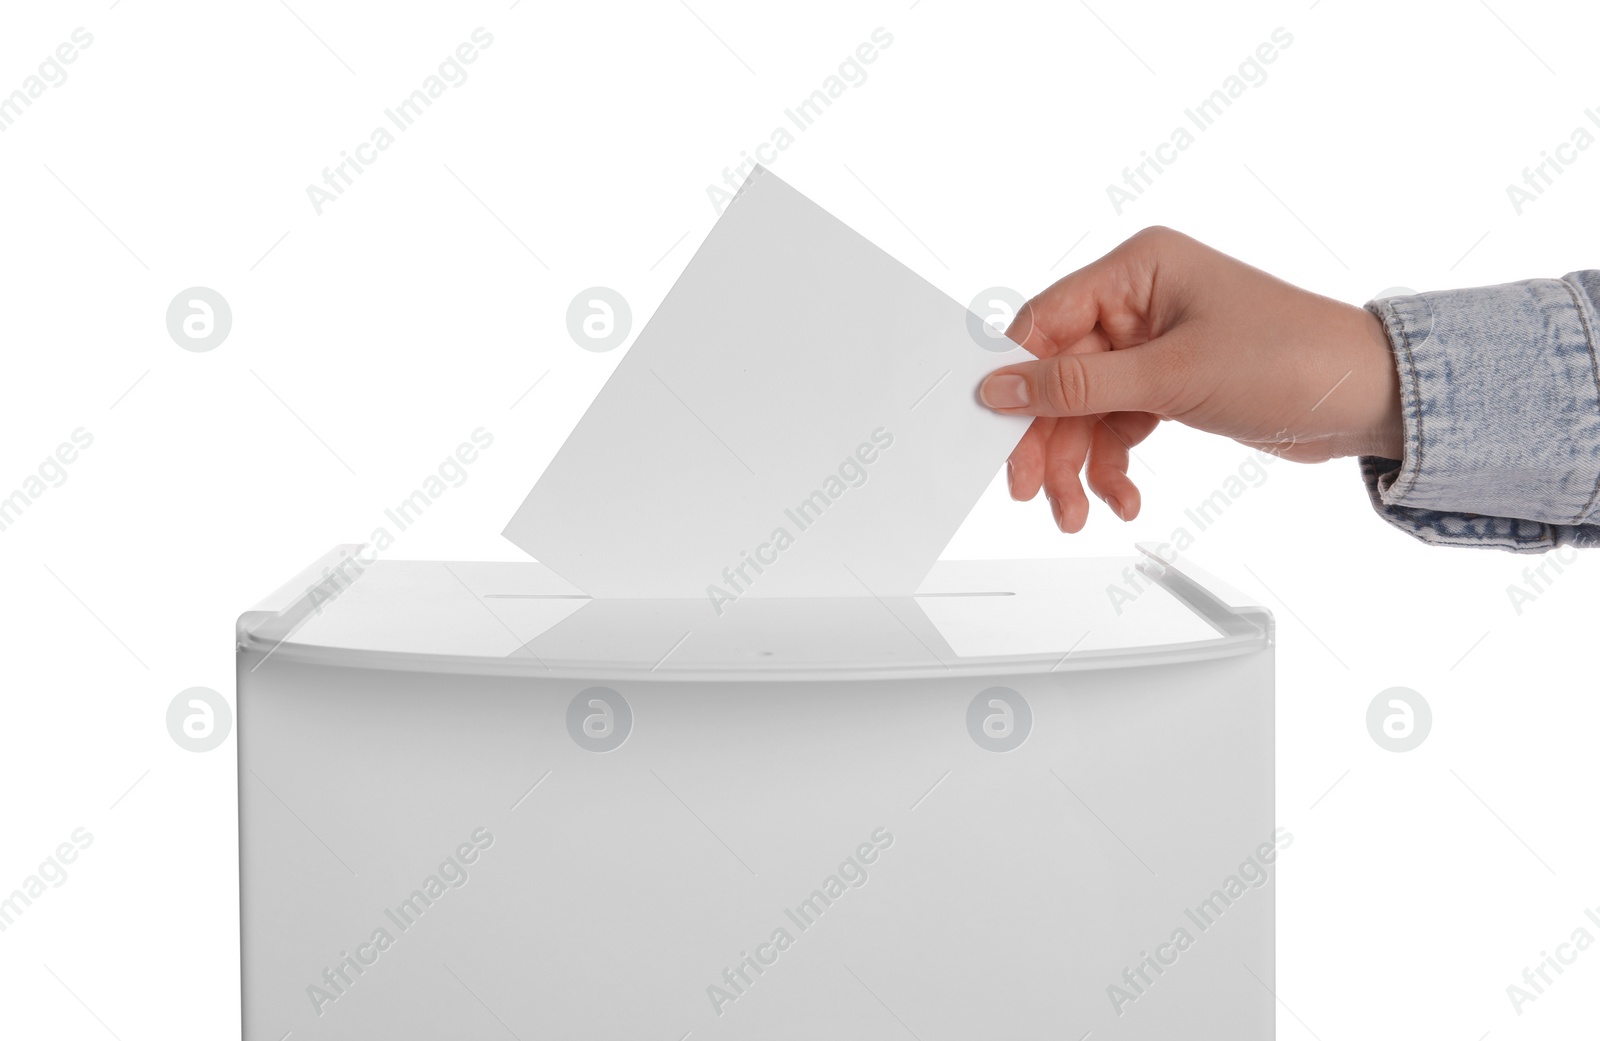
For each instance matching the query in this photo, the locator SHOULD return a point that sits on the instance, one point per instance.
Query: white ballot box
(1035, 800)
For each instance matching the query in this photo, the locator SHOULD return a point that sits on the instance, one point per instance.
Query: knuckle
(1153, 237)
(1172, 375)
(1067, 389)
(1158, 238)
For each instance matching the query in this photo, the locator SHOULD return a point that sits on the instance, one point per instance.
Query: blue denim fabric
(1500, 393)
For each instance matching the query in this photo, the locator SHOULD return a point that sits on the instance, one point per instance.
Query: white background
(370, 340)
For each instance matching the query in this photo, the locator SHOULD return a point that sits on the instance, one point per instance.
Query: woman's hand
(1163, 327)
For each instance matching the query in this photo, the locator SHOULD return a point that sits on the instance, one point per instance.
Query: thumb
(1129, 380)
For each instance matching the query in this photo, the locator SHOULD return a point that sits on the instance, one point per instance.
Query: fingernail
(1011, 478)
(1055, 512)
(1116, 506)
(1007, 390)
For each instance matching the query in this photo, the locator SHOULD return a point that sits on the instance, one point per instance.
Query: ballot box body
(1035, 800)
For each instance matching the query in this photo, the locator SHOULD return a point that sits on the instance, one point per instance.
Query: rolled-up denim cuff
(1442, 528)
(1500, 397)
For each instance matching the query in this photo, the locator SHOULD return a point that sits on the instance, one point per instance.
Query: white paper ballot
(798, 418)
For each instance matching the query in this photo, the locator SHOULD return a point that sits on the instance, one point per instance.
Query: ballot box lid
(988, 617)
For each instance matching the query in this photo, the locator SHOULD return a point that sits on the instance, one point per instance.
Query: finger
(1069, 309)
(1145, 378)
(1069, 446)
(1109, 449)
(1026, 466)
(1027, 480)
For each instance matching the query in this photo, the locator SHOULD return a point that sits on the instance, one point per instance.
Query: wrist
(1384, 433)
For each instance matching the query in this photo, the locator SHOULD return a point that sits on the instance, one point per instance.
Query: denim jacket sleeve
(1500, 395)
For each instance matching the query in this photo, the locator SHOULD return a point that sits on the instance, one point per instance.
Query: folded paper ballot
(798, 419)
